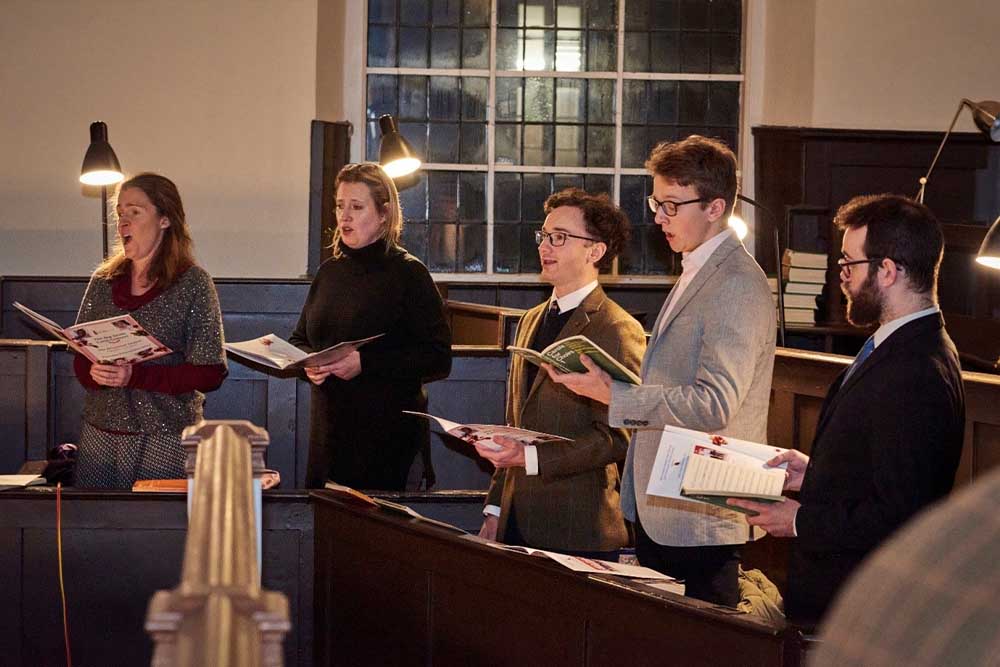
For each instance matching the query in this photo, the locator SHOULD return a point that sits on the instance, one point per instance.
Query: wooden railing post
(219, 614)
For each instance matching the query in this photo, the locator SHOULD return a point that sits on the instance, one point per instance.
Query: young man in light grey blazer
(707, 367)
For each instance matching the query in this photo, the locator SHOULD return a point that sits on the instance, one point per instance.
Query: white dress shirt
(691, 264)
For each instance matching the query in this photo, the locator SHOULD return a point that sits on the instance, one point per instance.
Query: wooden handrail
(219, 614)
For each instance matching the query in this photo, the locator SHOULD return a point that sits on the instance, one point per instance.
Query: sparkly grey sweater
(186, 318)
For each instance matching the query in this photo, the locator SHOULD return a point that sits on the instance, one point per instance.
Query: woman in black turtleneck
(371, 285)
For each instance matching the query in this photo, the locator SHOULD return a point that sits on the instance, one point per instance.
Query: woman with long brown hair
(134, 413)
(371, 285)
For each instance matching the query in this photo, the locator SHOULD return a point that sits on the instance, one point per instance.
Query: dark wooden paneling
(118, 549)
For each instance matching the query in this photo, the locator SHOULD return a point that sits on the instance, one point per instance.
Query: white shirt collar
(574, 298)
(890, 328)
(695, 259)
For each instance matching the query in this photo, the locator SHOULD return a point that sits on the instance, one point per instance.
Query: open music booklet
(565, 356)
(691, 465)
(484, 433)
(114, 340)
(277, 353)
(587, 565)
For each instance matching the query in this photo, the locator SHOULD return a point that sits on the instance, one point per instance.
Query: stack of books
(805, 273)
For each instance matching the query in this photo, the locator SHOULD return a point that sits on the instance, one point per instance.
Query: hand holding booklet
(564, 355)
(691, 465)
(278, 353)
(114, 340)
(483, 434)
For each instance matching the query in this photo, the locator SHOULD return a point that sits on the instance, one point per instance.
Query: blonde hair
(383, 193)
(176, 252)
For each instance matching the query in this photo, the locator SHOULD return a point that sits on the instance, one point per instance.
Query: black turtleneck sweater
(358, 435)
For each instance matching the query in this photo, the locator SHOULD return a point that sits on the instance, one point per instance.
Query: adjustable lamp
(394, 152)
(737, 224)
(101, 167)
(984, 114)
(989, 251)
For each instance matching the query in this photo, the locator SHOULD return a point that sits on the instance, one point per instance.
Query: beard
(865, 307)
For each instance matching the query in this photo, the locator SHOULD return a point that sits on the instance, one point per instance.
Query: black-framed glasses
(846, 264)
(557, 239)
(669, 207)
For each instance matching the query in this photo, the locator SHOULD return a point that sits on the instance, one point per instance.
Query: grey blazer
(709, 370)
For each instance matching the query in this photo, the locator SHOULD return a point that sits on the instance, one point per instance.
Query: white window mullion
(491, 101)
(619, 112)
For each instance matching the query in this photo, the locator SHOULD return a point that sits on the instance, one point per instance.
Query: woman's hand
(111, 376)
(345, 369)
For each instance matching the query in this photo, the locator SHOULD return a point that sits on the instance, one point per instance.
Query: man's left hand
(595, 384)
(777, 519)
(511, 454)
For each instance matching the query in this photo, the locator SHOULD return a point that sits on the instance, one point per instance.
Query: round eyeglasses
(557, 239)
(669, 207)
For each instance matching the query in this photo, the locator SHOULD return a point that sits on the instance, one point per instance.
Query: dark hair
(176, 252)
(383, 191)
(900, 229)
(707, 164)
(603, 219)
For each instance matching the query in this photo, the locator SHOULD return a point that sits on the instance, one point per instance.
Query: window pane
(381, 11)
(471, 248)
(601, 101)
(381, 95)
(415, 133)
(571, 100)
(508, 144)
(600, 146)
(413, 47)
(538, 100)
(723, 103)
(727, 15)
(442, 244)
(637, 15)
(693, 102)
(509, 47)
(726, 53)
(442, 193)
(414, 199)
(634, 106)
(536, 190)
(602, 51)
(666, 14)
(539, 143)
(663, 102)
(506, 197)
(446, 12)
(539, 49)
(415, 240)
(413, 12)
(602, 14)
(694, 52)
(443, 143)
(444, 98)
(569, 13)
(562, 181)
(413, 98)
(634, 151)
(694, 15)
(539, 13)
(665, 51)
(381, 46)
(444, 48)
(510, 13)
(475, 48)
(475, 91)
(599, 184)
(529, 249)
(506, 249)
(473, 139)
(472, 197)
(570, 145)
(636, 52)
(477, 13)
(508, 100)
(570, 56)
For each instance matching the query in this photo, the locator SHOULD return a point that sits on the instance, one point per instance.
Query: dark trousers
(709, 573)
(512, 536)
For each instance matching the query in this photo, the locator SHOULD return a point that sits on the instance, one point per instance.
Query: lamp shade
(989, 251)
(395, 153)
(100, 164)
(986, 115)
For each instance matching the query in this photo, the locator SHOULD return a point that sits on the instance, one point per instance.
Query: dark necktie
(545, 335)
(865, 352)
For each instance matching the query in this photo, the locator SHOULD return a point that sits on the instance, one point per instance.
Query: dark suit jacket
(573, 503)
(887, 444)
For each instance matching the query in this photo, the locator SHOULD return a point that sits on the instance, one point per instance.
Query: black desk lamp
(737, 224)
(395, 153)
(984, 114)
(101, 167)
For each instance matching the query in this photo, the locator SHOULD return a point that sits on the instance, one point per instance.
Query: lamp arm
(926, 177)
(777, 258)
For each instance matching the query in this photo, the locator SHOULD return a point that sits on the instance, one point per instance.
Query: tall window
(511, 100)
